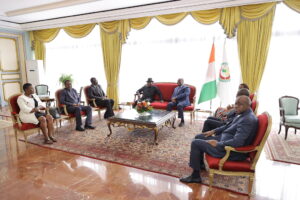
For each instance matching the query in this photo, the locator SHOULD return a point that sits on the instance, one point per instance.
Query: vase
(144, 114)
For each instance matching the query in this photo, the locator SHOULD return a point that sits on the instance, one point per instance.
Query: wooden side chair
(223, 166)
(254, 106)
(63, 108)
(24, 128)
(92, 102)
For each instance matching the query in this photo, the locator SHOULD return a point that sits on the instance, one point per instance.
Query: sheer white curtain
(166, 53)
(283, 65)
(80, 57)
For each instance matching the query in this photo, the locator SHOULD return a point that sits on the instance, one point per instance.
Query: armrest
(228, 149)
(65, 108)
(136, 97)
(281, 111)
(93, 102)
(18, 120)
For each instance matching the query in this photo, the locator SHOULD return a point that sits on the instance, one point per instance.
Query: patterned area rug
(136, 149)
(282, 150)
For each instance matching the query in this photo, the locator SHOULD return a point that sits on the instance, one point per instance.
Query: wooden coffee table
(132, 120)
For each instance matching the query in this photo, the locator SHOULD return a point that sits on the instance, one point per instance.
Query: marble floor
(35, 172)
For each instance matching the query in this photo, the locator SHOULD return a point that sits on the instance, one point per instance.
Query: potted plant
(65, 77)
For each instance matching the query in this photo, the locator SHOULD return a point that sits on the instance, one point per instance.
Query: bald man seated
(237, 133)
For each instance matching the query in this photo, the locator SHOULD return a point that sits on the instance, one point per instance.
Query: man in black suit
(237, 133)
(148, 91)
(214, 122)
(70, 98)
(96, 92)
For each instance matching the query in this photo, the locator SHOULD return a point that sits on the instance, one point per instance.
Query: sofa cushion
(163, 106)
(159, 105)
(167, 89)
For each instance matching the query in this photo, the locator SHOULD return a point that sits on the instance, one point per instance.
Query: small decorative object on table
(143, 108)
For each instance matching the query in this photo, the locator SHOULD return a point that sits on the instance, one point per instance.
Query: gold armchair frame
(16, 120)
(228, 149)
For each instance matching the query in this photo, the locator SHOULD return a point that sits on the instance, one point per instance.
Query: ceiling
(40, 14)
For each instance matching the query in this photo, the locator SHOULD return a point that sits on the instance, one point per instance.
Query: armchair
(223, 166)
(92, 102)
(288, 109)
(25, 128)
(63, 107)
(42, 90)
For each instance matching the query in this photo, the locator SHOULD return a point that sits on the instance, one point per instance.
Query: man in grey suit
(236, 133)
(180, 99)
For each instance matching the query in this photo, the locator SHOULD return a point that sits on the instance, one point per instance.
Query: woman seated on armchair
(32, 111)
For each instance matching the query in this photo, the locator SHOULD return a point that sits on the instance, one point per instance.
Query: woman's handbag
(54, 112)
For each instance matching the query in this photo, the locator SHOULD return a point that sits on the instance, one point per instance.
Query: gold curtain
(229, 19)
(293, 4)
(171, 19)
(112, 48)
(253, 44)
(113, 35)
(79, 31)
(206, 16)
(39, 38)
(139, 23)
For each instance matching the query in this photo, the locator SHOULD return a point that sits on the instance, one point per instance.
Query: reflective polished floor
(35, 172)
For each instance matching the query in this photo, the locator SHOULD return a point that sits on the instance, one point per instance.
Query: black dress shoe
(190, 179)
(79, 129)
(181, 124)
(89, 127)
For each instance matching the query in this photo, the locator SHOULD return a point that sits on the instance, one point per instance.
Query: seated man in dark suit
(239, 132)
(180, 99)
(70, 98)
(96, 92)
(148, 91)
(214, 122)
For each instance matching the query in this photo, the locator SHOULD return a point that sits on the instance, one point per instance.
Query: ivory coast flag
(209, 88)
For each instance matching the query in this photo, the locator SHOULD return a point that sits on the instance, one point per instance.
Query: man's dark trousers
(108, 103)
(199, 146)
(179, 108)
(211, 123)
(76, 110)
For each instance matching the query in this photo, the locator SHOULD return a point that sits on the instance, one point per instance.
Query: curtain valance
(293, 4)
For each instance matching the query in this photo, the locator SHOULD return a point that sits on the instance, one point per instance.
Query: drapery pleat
(112, 48)
(293, 4)
(79, 31)
(39, 38)
(253, 45)
(139, 23)
(206, 16)
(171, 19)
(256, 11)
(229, 19)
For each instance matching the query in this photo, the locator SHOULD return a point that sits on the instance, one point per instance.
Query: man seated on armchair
(214, 122)
(239, 132)
(180, 99)
(148, 91)
(70, 98)
(96, 92)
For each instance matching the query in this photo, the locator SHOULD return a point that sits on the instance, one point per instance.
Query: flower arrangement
(143, 106)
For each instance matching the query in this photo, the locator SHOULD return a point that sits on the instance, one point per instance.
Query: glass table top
(154, 117)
